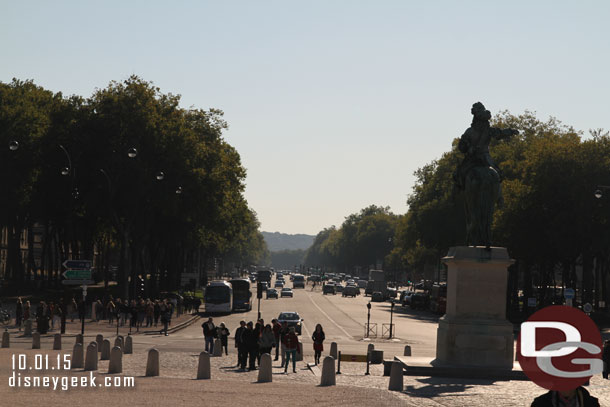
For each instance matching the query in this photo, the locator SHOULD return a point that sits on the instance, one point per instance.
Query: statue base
(474, 331)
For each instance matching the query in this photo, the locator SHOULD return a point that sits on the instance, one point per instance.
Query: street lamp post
(368, 318)
(391, 317)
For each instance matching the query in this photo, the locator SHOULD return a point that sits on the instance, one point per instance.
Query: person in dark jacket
(566, 399)
(291, 345)
(18, 313)
(223, 333)
(276, 333)
(606, 358)
(242, 352)
(250, 337)
(318, 343)
(209, 333)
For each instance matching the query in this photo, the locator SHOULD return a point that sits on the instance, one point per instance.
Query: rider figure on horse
(474, 143)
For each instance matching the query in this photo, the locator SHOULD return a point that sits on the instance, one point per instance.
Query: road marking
(329, 318)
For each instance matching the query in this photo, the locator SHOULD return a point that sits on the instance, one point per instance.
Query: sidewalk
(103, 327)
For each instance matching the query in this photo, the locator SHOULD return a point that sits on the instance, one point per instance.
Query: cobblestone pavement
(178, 369)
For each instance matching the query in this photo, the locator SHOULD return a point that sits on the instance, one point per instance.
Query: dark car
(329, 289)
(292, 319)
(272, 293)
(377, 296)
(351, 291)
(405, 297)
(420, 301)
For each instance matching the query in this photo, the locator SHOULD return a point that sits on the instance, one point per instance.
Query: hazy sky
(331, 104)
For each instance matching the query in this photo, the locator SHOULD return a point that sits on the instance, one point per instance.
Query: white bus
(219, 297)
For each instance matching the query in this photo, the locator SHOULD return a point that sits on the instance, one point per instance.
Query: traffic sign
(77, 282)
(78, 264)
(588, 308)
(569, 293)
(77, 274)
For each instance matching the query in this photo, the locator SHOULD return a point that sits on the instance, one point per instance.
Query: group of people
(254, 340)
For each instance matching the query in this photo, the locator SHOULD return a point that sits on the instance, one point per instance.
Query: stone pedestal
(474, 331)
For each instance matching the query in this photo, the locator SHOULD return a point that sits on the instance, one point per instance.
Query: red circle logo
(559, 348)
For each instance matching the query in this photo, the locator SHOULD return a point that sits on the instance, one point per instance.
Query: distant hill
(281, 241)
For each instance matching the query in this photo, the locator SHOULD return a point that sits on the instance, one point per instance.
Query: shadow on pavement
(419, 315)
(438, 386)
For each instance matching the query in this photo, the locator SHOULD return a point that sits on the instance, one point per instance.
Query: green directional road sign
(77, 274)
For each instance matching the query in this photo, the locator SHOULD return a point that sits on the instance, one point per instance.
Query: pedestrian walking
(150, 312)
(250, 337)
(266, 341)
(242, 352)
(27, 311)
(283, 332)
(276, 333)
(165, 319)
(606, 359)
(209, 333)
(318, 343)
(291, 344)
(18, 313)
(223, 334)
(156, 312)
(578, 397)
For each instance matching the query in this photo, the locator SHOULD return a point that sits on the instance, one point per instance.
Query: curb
(176, 328)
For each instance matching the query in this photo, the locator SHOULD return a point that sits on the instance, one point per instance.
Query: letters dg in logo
(559, 348)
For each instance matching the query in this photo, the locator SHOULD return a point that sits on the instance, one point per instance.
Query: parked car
(292, 319)
(351, 291)
(272, 293)
(329, 288)
(420, 300)
(377, 296)
(405, 297)
(286, 292)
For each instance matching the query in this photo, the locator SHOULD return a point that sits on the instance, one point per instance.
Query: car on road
(420, 300)
(329, 288)
(339, 288)
(292, 319)
(377, 296)
(405, 297)
(351, 291)
(272, 293)
(391, 292)
(286, 292)
(279, 284)
(362, 283)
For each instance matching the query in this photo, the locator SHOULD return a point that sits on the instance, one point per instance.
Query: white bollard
(28, 328)
(203, 369)
(217, 348)
(91, 357)
(396, 376)
(6, 340)
(152, 364)
(105, 355)
(79, 339)
(128, 345)
(119, 341)
(36, 340)
(328, 372)
(116, 360)
(77, 356)
(57, 342)
(407, 350)
(370, 348)
(265, 374)
(333, 350)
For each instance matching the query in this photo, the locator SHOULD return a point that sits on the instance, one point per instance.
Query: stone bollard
(36, 340)
(264, 370)
(217, 348)
(105, 355)
(79, 339)
(91, 357)
(116, 360)
(99, 339)
(28, 328)
(77, 356)
(328, 372)
(396, 376)
(6, 340)
(333, 350)
(152, 364)
(203, 369)
(57, 342)
(370, 348)
(376, 357)
(120, 342)
(407, 351)
(299, 357)
(128, 345)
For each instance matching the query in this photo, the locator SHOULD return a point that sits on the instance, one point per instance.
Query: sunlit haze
(332, 104)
